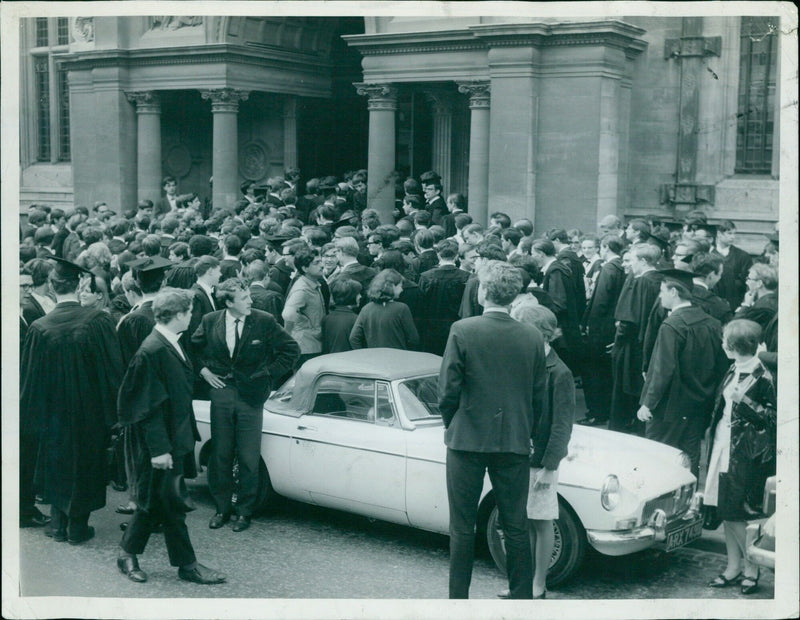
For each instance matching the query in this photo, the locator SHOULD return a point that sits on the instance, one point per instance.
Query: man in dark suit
(139, 322)
(169, 201)
(155, 406)
(347, 253)
(241, 352)
(441, 290)
(733, 284)
(491, 387)
(36, 302)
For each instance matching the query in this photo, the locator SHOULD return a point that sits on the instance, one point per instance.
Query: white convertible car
(361, 432)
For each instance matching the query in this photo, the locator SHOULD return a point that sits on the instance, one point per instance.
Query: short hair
(539, 317)
(704, 263)
(39, 269)
(459, 200)
(512, 235)
(412, 186)
(501, 218)
(150, 281)
(725, 226)
(447, 249)
(574, 232)
(524, 225)
(345, 291)
(424, 239)
(169, 224)
(683, 291)
(254, 271)
(526, 263)
(647, 252)
(435, 184)
(327, 212)
(641, 227)
(317, 236)
(180, 249)
(167, 179)
(558, 234)
(151, 245)
(612, 242)
(26, 253)
(170, 302)
(92, 234)
(595, 241)
(404, 246)
(472, 228)
(392, 259)
(129, 283)
(180, 276)
(492, 251)
(438, 232)
(347, 246)
(389, 234)
(422, 218)
(226, 291)
(462, 220)
(742, 336)
(404, 226)
(545, 246)
(767, 274)
(414, 200)
(120, 227)
(233, 244)
(303, 258)
(501, 282)
(381, 288)
(65, 281)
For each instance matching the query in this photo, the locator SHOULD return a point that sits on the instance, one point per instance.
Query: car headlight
(685, 461)
(609, 493)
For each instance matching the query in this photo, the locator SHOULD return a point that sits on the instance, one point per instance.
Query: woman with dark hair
(384, 321)
(743, 447)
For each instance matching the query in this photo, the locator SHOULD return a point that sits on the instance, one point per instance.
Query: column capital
(479, 93)
(146, 101)
(442, 101)
(225, 99)
(381, 96)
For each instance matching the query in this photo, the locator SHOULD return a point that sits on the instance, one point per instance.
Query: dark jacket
(575, 264)
(336, 328)
(753, 446)
(267, 300)
(553, 428)
(599, 315)
(441, 291)
(732, 285)
(712, 304)
(387, 325)
(266, 353)
(491, 384)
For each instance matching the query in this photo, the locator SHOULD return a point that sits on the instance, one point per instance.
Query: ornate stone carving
(172, 22)
(253, 160)
(146, 101)
(479, 93)
(442, 102)
(225, 99)
(83, 29)
(381, 96)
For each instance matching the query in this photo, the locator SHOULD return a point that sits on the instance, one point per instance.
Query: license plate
(684, 535)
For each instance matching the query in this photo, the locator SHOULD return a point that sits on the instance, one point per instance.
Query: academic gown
(70, 371)
(441, 289)
(155, 407)
(559, 283)
(134, 328)
(575, 264)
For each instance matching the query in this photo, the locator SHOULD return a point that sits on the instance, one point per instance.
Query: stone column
(148, 144)
(478, 189)
(442, 133)
(382, 105)
(225, 162)
(290, 132)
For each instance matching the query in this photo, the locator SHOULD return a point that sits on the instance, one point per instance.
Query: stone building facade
(562, 121)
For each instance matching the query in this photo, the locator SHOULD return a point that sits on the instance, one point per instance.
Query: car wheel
(265, 497)
(569, 547)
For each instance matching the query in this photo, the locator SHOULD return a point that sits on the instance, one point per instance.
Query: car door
(349, 451)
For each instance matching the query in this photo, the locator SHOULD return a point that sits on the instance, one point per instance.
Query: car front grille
(674, 503)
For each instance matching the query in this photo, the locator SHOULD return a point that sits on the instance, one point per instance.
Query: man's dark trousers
(509, 474)
(235, 431)
(176, 535)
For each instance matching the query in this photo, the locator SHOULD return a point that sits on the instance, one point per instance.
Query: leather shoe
(201, 574)
(34, 520)
(242, 523)
(119, 486)
(125, 509)
(129, 565)
(87, 534)
(56, 535)
(218, 520)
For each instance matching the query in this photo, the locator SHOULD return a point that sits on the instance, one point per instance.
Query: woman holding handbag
(742, 449)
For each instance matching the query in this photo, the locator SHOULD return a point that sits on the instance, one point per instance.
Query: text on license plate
(684, 535)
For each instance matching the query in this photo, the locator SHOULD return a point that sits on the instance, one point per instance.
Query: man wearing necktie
(240, 352)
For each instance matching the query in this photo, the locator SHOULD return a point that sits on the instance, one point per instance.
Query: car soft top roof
(385, 364)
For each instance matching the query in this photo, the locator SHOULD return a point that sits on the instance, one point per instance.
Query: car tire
(568, 552)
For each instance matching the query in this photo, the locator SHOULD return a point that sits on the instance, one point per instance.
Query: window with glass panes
(756, 105)
(51, 37)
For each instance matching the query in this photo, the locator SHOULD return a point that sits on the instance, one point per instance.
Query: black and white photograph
(399, 309)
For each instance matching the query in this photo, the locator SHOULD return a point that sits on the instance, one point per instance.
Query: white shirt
(230, 334)
(172, 337)
(209, 293)
(45, 302)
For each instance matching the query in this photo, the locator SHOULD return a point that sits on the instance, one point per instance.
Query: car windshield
(420, 398)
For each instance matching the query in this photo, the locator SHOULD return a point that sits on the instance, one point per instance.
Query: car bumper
(659, 533)
(755, 554)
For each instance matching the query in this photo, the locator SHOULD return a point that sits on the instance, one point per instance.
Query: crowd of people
(143, 310)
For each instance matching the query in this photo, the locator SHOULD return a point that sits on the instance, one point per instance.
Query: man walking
(155, 406)
(491, 386)
(241, 352)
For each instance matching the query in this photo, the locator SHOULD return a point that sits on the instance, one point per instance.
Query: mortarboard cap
(150, 264)
(678, 275)
(68, 269)
(429, 177)
(660, 236)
